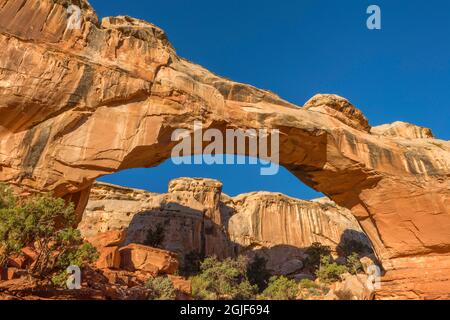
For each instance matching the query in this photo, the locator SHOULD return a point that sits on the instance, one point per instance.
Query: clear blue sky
(299, 48)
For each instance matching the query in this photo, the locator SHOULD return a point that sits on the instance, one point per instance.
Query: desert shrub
(46, 223)
(309, 289)
(40, 218)
(161, 288)
(71, 251)
(257, 273)
(34, 220)
(353, 264)
(345, 295)
(11, 236)
(7, 199)
(329, 271)
(191, 263)
(155, 237)
(76, 256)
(59, 279)
(315, 253)
(281, 288)
(308, 284)
(223, 280)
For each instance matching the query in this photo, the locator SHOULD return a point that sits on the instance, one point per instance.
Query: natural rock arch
(79, 104)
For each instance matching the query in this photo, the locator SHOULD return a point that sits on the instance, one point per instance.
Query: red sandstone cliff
(197, 217)
(79, 104)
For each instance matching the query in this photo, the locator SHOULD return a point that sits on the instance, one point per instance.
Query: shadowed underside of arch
(79, 104)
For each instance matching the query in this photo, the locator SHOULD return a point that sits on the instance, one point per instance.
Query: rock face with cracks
(77, 104)
(196, 217)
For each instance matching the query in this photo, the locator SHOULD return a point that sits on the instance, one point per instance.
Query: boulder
(30, 255)
(9, 274)
(156, 261)
(109, 258)
(339, 108)
(107, 239)
(352, 287)
(291, 267)
(368, 261)
(17, 261)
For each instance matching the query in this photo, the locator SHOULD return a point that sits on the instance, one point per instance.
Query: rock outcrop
(339, 108)
(269, 219)
(197, 217)
(402, 130)
(120, 273)
(352, 287)
(191, 215)
(107, 245)
(138, 257)
(77, 104)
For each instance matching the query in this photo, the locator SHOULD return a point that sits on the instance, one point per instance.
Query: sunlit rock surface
(197, 217)
(77, 104)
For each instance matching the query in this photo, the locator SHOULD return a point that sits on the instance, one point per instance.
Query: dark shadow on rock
(353, 241)
(193, 236)
(187, 230)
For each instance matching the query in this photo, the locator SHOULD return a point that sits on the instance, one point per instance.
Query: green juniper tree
(223, 280)
(47, 224)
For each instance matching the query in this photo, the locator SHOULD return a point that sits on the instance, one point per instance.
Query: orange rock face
(76, 104)
(17, 261)
(109, 258)
(183, 287)
(197, 217)
(191, 215)
(107, 245)
(30, 255)
(138, 257)
(8, 274)
(107, 239)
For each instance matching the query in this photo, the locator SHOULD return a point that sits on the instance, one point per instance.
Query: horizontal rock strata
(77, 104)
(197, 217)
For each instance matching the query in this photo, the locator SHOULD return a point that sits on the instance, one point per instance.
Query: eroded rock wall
(269, 219)
(77, 104)
(197, 217)
(190, 215)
